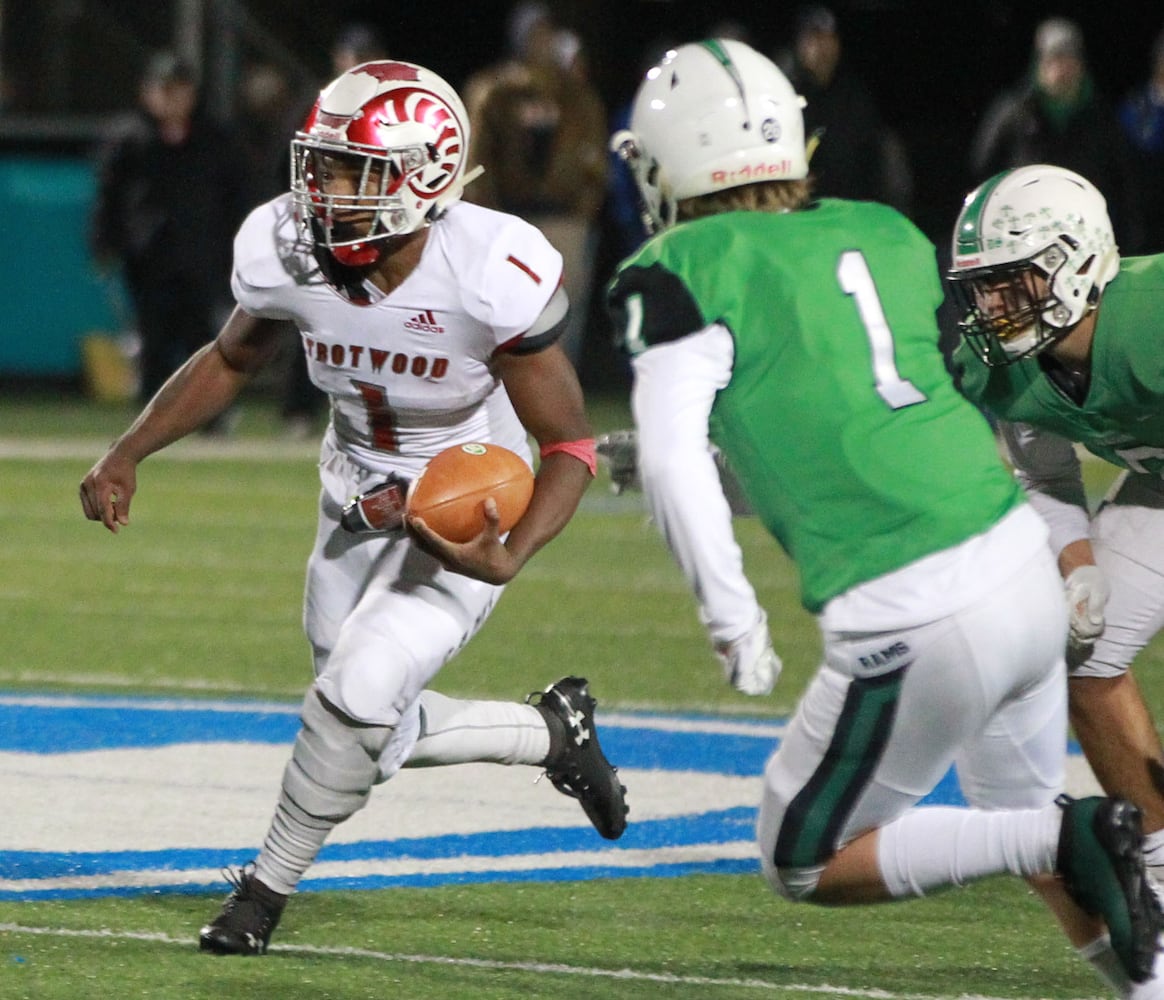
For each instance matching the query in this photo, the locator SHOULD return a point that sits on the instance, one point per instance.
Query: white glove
(1087, 594)
(620, 450)
(749, 663)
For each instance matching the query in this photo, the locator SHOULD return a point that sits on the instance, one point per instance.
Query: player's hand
(379, 509)
(749, 663)
(1087, 595)
(620, 451)
(483, 558)
(108, 489)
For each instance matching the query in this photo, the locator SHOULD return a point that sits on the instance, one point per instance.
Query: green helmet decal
(725, 60)
(969, 238)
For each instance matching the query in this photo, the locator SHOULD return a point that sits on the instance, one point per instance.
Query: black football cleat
(1101, 862)
(580, 769)
(249, 914)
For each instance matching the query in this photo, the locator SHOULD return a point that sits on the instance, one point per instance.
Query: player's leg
(360, 719)
(341, 563)
(1111, 721)
(985, 682)
(332, 769)
(862, 751)
(554, 729)
(1016, 762)
(418, 626)
(466, 731)
(1010, 771)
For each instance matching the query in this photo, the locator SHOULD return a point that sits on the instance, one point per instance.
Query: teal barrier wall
(52, 295)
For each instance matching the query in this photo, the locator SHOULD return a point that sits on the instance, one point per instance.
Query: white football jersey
(409, 373)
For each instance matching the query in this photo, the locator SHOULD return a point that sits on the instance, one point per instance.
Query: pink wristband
(582, 449)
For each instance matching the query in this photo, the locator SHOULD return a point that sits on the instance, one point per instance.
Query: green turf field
(199, 596)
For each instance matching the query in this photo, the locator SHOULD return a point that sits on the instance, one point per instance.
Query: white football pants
(983, 688)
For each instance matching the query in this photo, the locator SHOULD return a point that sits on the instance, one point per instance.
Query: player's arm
(1048, 467)
(195, 394)
(543, 387)
(544, 390)
(674, 389)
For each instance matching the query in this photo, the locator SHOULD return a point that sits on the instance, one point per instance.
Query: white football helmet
(406, 132)
(712, 115)
(1033, 249)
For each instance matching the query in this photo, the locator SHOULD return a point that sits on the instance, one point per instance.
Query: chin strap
(347, 280)
(357, 254)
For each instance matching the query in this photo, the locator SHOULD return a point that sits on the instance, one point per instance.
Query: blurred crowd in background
(194, 127)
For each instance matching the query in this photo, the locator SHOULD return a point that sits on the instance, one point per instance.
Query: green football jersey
(1122, 417)
(840, 418)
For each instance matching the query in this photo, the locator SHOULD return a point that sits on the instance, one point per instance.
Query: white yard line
(544, 968)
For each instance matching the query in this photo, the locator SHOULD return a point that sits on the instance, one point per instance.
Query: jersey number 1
(381, 419)
(855, 280)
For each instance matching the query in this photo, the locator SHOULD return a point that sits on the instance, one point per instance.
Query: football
(451, 490)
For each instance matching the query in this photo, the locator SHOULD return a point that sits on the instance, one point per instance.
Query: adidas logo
(424, 322)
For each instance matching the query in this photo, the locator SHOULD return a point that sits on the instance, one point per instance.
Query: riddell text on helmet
(752, 172)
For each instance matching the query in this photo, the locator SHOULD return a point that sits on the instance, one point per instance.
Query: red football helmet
(401, 135)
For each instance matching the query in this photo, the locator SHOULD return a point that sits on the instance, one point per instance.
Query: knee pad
(334, 761)
(795, 884)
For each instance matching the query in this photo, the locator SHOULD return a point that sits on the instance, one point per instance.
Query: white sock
(1107, 966)
(328, 778)
(936, 846)
(290, 846)
(455, 731)
(1154, 850)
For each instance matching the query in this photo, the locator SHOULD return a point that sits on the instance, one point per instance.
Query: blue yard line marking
(721, 827)
(47, 724)
(724, 866)
(46, 729)
(37, 727)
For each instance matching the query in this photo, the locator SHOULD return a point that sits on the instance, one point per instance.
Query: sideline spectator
(171, 191)
(356, 43)
(1142, 118)
(1057, 115)
(842, 114)
(540, 132)
(624, 205)
(271, 111)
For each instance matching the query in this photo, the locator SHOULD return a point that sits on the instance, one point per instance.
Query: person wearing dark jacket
(171, 192)
(1142, 118)
(858, 156)
(1057, 115)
